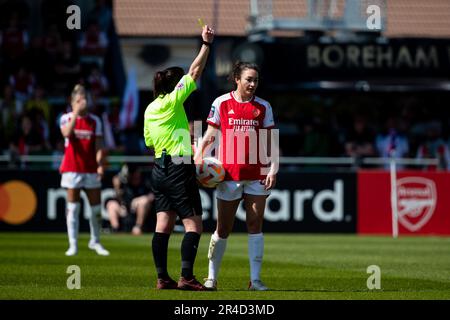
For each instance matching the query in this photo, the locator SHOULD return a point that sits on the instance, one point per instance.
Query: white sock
(94, 223)
(217, 255)
(255, 254)
(72, 220)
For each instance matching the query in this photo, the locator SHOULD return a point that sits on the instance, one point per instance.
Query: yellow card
(200, 22)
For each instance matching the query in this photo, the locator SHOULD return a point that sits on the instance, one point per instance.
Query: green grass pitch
(33, 266)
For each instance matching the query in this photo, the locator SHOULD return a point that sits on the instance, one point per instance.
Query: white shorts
(74, 180)
(233, 190)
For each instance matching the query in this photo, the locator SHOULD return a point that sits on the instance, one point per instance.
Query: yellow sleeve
(183, 89)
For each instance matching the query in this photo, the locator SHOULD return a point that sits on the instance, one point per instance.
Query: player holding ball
(236, 113)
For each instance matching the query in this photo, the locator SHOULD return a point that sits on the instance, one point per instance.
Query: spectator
(13, 42)
(102, 13)
(316, 141)
(42, 126)
(10, 110)
(392, 143)
(98, 83)
(434, 147)
(38, 61)
(360, 140)
(67, 66)
(52, 41)
(113, 117)
(67, 60)
(99, 110)
(93, 42)
(27, 139)
(23, 83)
(39, 103)
(133, 200)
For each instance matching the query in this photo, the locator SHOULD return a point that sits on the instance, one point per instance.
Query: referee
(166, 128)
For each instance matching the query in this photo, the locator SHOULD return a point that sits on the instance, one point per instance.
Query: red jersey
(80, 151)
(13, 42)
(240, 124)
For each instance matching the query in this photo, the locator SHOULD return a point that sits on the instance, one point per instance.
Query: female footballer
(82, 168)
(236, 113)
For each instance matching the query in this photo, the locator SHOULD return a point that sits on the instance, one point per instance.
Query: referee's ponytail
(165, 81)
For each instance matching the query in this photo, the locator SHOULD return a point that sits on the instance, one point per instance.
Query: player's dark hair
(165, 81)
(239, 67)
(78, 89)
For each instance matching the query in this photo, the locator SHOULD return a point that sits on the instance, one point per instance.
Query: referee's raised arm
(197, 66)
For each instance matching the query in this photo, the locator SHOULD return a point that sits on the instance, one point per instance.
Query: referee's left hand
(270, 181)
(208, 34)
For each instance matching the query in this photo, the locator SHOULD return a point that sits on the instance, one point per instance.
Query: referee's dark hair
(239, 67)
(165, 81)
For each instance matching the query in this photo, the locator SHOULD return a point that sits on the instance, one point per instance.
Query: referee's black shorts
(175, 188)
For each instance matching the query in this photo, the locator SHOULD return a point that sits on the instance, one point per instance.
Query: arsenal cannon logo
(417, 198)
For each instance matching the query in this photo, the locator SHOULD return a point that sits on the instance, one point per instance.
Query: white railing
(402, 161)
(328, 161)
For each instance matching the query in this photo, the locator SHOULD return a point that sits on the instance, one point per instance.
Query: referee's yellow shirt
(165, 121)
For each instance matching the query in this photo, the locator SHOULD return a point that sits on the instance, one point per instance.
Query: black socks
(188, 253)
(159, 247)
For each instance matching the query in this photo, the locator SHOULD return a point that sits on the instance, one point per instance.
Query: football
(210, 172)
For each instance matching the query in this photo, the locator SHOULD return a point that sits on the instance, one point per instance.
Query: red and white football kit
(79, 165)
(235, 118)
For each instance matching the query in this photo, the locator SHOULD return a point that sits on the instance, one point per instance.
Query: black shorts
(175, 188)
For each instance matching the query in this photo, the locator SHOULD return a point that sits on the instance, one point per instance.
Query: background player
(240, 111)
(82, 168)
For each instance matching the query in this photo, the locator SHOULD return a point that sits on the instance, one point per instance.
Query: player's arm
(100, 155)
(273, 153)
(206, 143)
(197, 66)
(100, 151)
(272, 149)
(68, 128)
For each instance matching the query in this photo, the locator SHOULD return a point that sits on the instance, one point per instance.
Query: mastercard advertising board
(33, 200)
(18, 202)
